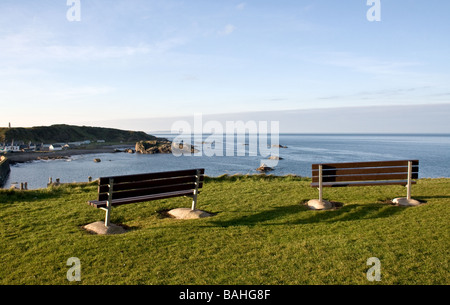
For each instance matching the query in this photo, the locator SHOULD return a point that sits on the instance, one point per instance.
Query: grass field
(261, 234)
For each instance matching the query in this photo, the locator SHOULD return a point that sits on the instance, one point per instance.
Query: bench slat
(357, 171)
(366, 164)
(149, 183)
(372, 177)
(147, 191)
(363, 183)
(116, 202)
(119, 190)
(150, 176)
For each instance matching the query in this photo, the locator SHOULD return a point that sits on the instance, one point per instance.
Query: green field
(262, 233)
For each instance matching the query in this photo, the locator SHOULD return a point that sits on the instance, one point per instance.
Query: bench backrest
(150, 184)
(365, 173)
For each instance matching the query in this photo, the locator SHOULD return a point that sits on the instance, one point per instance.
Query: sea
(219, 155)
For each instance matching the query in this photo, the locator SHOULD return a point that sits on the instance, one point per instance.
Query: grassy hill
(70, 133)
(261, 234)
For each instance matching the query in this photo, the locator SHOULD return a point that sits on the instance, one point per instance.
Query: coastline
(4, 170)
(23, 157)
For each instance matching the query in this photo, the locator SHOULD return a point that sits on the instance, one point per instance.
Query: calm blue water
(433, 151)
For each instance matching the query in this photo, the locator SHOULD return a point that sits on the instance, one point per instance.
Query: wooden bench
(400, 172)
(119, 190)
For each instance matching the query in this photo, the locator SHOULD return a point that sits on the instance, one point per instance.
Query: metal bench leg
(408, 190)
(408, 201)
(319, 204)
(108, 211)
(194, 201)
(320, 183)
(194, 197)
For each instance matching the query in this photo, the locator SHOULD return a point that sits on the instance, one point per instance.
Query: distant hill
(70, 133)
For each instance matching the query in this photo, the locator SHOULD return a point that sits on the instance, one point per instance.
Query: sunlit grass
(262, 233)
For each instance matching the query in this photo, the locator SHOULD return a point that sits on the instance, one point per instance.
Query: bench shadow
(353, 212)
(424, 198)
(257, 218)
(346, 213)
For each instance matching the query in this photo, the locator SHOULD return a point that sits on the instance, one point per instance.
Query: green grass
(262, 234)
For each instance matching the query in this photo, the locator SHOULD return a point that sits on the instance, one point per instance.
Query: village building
(12, 147)
(55, 147)
(74, 144)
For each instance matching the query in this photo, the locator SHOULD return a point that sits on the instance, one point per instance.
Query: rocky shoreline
(162, 147)
(143, 147)
(4, 170)
(23, 157)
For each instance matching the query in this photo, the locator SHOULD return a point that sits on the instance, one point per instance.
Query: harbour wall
(4, 170)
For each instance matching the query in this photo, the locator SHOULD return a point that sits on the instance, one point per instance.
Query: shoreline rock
(264, 168)
(46, 158)
(279, 146)
(161, 147)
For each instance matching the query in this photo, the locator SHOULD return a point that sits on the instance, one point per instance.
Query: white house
(55, 147)
(43, 147)
(9, 148)
(74, 143)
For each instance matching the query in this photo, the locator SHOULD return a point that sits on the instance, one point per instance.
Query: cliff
(70, 133)
(4, 170)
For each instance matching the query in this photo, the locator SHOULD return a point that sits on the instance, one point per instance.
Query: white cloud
(229, 28)
(27, 48)
(241, 6)
(189, 77)
(51, 92)
(366, 64)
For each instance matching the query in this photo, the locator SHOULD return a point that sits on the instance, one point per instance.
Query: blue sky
(139, 59)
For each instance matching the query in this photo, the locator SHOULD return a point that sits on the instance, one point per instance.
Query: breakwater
(4, 170)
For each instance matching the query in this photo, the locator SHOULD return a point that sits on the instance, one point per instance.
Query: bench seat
(372, 173)
(117, 202)
(362, 183)
(120, 190)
